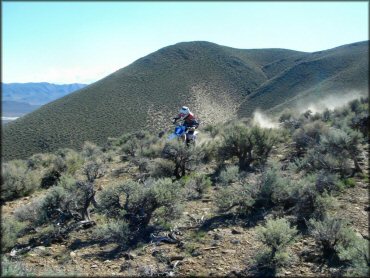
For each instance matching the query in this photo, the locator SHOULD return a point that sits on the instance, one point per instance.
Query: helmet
(184, 111)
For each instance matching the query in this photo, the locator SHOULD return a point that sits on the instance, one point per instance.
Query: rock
(228, 251)
(42, 248)
(235, 241)
(13, 253)
(189, 261)
(196, 253)
(236, 231)
(288, 272)
(176, 258)
(94, 266)
(73, 254)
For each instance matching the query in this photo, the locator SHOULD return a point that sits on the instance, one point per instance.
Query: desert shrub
(305, 197)
(240, 197)
(274, 188)
(330, 233)
(276, 235)
(151, 148)
(78, 198)
(229, 175)
(69, 200)
(11, 229)
(251, 145)
(213, 130)
(326, 115)
(142, 202)
(209, 150)
(344, 144)
(308, 135)
(53, 173)
(361, 122)
(41, 160)
(161, 168)
(110, 201)
(140, 143)
(323, 204)
(319, 159)
(90, 149)
(355, 253)
(17, 180)
(31, 213)
(137, 203)
(340, 242)
(113, 231)
(10, 268)
(326, 182)
(346, 183)
(143, 163)
(94, 168)
(195, 185)
(288, 119)
(73, 160)
(64, 161)
(182, 156)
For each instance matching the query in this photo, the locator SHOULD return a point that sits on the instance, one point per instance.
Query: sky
(82, 42)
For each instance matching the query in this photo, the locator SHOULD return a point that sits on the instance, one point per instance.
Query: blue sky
(68, 42)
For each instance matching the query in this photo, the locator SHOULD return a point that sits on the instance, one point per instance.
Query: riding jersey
(189, 120)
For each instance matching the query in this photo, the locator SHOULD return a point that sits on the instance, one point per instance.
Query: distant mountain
(36, 93)
(16, 109)
(218, 83)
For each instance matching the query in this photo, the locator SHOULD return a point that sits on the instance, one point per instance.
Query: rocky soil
(206, 243)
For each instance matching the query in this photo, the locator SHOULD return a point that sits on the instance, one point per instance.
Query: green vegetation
(276, 235)
(283, 183)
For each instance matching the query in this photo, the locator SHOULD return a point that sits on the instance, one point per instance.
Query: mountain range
(34, 93)
(218, 83)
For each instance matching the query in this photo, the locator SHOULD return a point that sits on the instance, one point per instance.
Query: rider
(190, 121)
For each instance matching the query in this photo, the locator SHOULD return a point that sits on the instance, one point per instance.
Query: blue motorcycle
(181, 133)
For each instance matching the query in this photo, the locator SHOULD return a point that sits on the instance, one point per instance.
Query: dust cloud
(263, 120)
(330, 102)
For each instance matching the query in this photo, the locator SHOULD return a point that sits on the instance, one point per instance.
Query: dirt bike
(180, 132)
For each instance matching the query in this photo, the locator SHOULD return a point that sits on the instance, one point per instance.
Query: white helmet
(184, 111)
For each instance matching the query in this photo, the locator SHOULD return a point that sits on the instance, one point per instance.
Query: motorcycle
(180, 132)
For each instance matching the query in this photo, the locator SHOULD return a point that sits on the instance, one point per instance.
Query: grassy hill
(340, 71)
(219, 83)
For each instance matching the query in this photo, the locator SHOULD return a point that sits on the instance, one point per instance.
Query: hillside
(219, 83)
(244, 201)
(338, 72)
